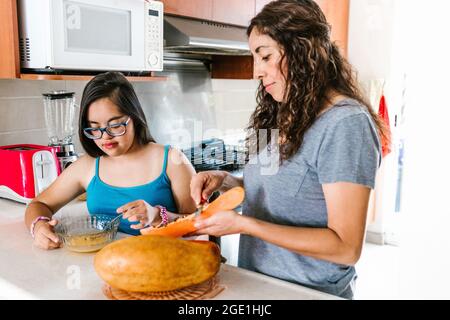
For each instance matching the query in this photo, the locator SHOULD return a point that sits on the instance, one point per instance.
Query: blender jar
(60, 110)
(59, 117)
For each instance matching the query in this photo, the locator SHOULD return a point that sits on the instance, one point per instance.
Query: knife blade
(200, 208)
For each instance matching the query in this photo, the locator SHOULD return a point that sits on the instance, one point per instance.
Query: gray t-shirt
(341, 146)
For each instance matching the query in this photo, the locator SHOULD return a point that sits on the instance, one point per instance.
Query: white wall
(425, 234)
(370, 37)
(372, 43)
(413, 34)
(22, 110)
(235, 101)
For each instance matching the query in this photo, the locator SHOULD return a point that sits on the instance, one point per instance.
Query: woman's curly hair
(315, 67)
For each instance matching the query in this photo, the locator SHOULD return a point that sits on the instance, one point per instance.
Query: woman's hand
(220, 224)
(203, 184)
(141, 211)
(44, 236)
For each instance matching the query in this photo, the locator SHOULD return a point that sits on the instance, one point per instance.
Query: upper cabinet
(200, 9)
(237, 12)
(9, 40)
(337, 13)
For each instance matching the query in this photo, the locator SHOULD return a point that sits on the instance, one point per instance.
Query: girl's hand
(44, 236)
(141, 211)
(220, 224)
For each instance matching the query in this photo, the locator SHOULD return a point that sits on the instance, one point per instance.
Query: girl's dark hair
(315, 68)
(115, 87)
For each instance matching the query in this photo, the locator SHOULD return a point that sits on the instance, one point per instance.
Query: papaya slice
(229, 200)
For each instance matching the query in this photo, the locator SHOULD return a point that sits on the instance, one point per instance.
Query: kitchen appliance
(60, 110)
(105, 35)
(187, 35)
(26, 170)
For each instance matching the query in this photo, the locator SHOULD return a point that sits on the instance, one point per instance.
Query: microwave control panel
(154, 39)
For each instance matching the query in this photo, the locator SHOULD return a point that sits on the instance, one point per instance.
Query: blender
(60, 111)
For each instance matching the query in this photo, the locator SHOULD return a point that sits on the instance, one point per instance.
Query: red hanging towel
(384, 115)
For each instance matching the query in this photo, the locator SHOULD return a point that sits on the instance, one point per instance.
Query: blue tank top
(103, 198)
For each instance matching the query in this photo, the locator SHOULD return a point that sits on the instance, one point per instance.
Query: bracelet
(33, 224)
(164, 216)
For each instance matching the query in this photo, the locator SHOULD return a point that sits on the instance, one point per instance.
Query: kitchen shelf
(33, 76)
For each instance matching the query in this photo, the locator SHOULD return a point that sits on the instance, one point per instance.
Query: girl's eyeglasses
(114, 130)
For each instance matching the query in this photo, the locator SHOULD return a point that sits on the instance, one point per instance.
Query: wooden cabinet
(9, 40)
(337, 14)
(232, 67)
(200, 9)
(237, 12)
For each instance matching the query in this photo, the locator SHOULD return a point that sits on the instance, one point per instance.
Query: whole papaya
(156, 263)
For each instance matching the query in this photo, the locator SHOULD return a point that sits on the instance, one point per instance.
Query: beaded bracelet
(163, 214)
(33, 224)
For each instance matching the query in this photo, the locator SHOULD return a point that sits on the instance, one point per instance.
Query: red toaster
(26, 170)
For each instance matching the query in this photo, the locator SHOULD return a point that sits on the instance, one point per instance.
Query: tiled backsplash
(235, 100)
(22, 110)
(187, 104)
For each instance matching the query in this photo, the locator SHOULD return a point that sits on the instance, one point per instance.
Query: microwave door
(98, 35)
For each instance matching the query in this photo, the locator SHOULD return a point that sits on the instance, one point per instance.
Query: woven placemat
(205, 290)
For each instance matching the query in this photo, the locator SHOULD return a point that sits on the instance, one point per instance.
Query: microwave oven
(102, 35)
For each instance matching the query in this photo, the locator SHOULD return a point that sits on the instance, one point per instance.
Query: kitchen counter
(27, 272)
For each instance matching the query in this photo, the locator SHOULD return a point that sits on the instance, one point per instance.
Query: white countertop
(27, 272)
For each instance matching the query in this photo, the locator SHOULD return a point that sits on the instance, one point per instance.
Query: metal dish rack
(214, 154)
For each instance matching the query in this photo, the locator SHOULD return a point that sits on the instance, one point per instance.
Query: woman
(124, 170)
(305, 223)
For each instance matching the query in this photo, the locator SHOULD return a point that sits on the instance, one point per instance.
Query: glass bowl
(87, 233)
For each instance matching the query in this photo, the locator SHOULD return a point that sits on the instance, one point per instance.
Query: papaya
(229, 200)
(150, 263)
